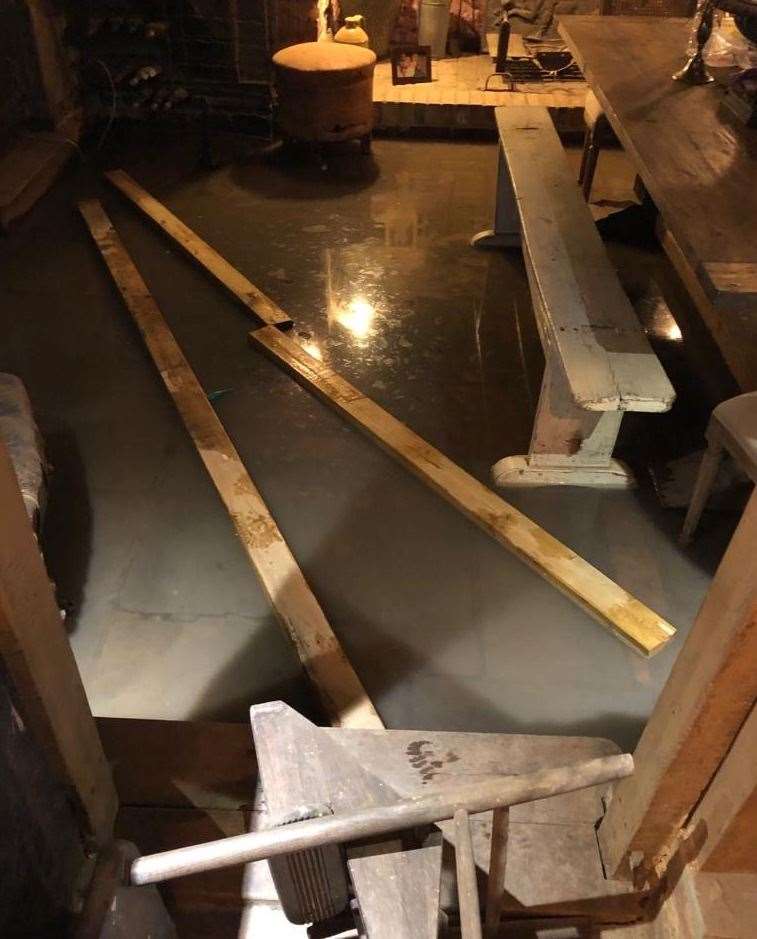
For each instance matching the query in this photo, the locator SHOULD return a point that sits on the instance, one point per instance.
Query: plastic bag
(20, 435)
(727, 48)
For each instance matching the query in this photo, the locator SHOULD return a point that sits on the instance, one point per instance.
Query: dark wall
(40, 852)
(22, 102)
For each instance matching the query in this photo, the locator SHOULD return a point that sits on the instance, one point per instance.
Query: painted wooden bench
(598, 360)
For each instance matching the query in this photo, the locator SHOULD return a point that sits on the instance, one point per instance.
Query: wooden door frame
(706, 701)
(39, 661)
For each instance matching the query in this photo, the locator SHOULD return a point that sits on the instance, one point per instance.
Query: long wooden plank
(710, 692)
(254, 300)
(341, 691)
(607, 358)
(41, 665)
(628, 618)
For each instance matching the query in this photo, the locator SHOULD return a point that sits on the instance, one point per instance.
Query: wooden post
(41, 665)
(495, 887)
(726, 818)
(708, 696)
(467, 886)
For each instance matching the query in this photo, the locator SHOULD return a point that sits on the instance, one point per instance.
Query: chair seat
(737, 419)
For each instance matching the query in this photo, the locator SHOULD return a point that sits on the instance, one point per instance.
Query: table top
(697, 162)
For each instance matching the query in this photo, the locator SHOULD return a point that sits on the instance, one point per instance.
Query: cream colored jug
(353, 32)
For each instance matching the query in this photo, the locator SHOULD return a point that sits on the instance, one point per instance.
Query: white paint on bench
(599, 362)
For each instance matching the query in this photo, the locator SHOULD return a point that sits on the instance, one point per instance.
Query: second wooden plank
(341, 691)
(628, 618)
(236, 283)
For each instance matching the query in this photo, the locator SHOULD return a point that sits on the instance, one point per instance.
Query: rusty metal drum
(325, 91)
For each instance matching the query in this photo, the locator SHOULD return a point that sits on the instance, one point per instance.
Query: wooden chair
(732, 427)
(599, 133)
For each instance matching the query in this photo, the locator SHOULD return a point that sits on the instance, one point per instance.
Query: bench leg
(506, 231)
(569, 446)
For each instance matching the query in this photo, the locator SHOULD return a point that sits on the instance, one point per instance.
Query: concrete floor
(446, 628)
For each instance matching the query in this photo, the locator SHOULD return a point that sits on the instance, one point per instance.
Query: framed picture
(411, 64)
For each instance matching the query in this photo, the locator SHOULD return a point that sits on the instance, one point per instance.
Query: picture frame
(411, 64)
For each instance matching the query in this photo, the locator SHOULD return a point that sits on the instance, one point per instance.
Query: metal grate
(170, 59)
(559, 67)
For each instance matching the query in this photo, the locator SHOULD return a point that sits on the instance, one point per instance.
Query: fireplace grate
(538, 68)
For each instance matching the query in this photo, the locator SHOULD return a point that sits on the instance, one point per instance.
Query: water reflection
(347, 302)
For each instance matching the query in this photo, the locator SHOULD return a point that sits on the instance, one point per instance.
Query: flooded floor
(370, 257)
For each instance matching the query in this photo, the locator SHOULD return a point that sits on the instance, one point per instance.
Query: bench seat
(599, 361)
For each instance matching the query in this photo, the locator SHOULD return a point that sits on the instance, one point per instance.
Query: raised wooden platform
(455, 99)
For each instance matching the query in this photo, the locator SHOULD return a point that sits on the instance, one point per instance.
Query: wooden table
(697, 162)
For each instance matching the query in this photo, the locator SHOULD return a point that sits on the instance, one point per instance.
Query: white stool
(732, 427)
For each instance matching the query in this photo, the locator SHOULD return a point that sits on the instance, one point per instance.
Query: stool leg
(705, 480)
(365, 144)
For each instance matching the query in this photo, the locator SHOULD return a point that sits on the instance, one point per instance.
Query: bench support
(506, 231)
(569, 446)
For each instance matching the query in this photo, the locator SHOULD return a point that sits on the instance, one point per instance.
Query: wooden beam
(622, 614)
(41, 665)
(254, 300)
(726, 818)
(55, 70)
(343, 696)
(710, 692)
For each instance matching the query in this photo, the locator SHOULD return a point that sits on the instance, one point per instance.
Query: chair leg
(589, 162)
(584, 156)
(702, 488)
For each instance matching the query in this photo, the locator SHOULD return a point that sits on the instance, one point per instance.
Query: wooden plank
(185, 764)
(589, 319)
(495, 885)
(710, 691)
(467, 881)
(726, 818)
(625, 616)
(254, 300)
(342, 694)
(55, 69)
(41, 665)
